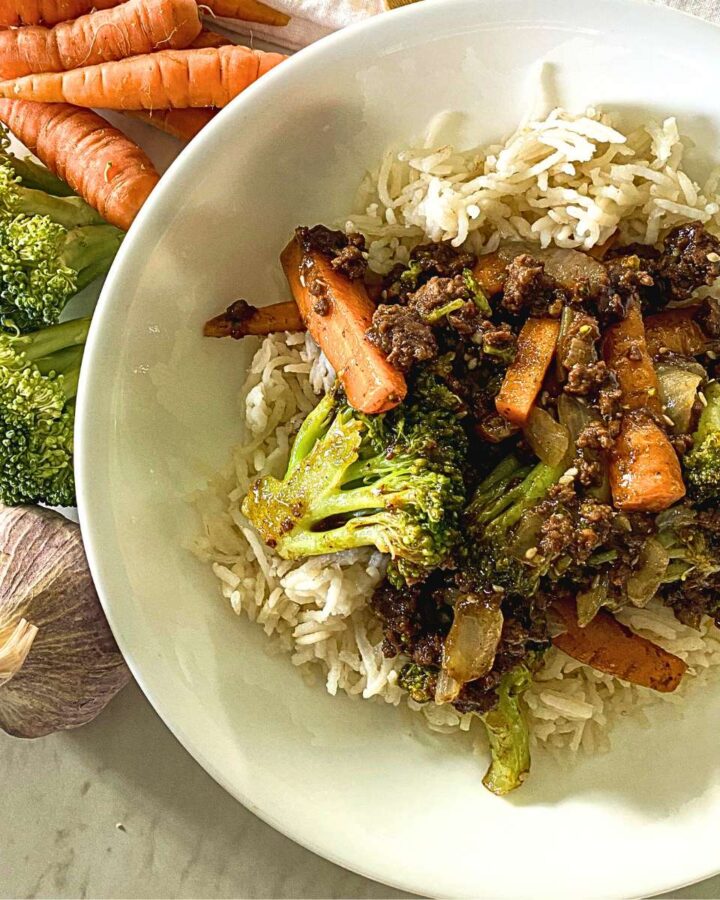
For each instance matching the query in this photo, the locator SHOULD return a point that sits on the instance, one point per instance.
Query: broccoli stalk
(392, 481)
(493, 519)
(702, 463)
(38, 383)
(508, 734)
(51, 247)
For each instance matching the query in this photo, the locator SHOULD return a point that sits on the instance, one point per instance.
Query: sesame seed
(472, 364)
(711, 354)
(668, 420)
(713, 257)
(583, 329)
(702, 398)
(651, 392)
(498, 589)
(531, 552)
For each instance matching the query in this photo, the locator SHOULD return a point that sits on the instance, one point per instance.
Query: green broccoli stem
(318, 543)
(47, 342)
(70, 212)
(518, 501)
(312, 429)
(508, 735)
(34, 175)
(66, 363)
(90, 250)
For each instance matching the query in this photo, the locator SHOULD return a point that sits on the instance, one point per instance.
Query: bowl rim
(154, 213)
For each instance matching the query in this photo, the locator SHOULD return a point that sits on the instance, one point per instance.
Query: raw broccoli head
(38, 381)
(393, 481)
(702, 463)
(51, 246)
(492, 520)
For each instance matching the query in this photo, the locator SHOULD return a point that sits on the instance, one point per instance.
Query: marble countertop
(119, 809)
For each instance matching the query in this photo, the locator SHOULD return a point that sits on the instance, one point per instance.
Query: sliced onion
(548, 439)
(573, 414)
(589, 602)
(472, 642)
(571, 268)
(643, 584)
(446, 688)
(678, 392)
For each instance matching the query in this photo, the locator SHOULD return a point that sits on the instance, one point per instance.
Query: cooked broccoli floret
(392, 481)
(508, 734)
(50, 249)
(418, 681)
(38, 382)
(492, 520)
(702, 463)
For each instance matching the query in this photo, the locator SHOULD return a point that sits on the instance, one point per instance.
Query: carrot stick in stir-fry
(524, 377)
(241, 319)
(607, 645)
(338, 325)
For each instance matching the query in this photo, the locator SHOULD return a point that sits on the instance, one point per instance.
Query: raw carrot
(183, 124)
(372, 385)
(98, 162)
(524, 377)
(208, 38)
(241, 319)
(625, 350)
(644, 468)
(48, 12)
(675, 330)
(248, 10)
(134, 28)
(610, 647)
(168, 79)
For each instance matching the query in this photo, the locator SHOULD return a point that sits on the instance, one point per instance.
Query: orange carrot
(610, 647)
(241, 319)
(208, 38)
(625, 350)
(134, 28)
(98, 162)
(183, 124)
(490, 271)
(169, 79)
(644, 468)
(675, 330)
(372, 385)
(248, 10)
(48, 12)
(524, 377)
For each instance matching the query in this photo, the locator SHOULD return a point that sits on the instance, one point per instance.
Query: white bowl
(359, 783)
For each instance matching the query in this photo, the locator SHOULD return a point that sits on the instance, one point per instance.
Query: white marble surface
(119, 809)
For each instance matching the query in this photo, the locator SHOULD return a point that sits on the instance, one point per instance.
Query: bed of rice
(567, 180)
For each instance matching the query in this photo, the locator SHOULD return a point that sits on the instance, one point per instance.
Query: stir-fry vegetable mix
(538, 446)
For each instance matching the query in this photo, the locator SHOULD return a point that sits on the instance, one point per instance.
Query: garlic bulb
(59, 664)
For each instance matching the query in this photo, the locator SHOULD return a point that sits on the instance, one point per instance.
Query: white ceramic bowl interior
(362, 784)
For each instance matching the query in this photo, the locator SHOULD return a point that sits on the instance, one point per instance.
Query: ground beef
(415, 620)
(594, 436)
(573, 526)
(400, 334)
(709, 317)
(441, 259)
(630, 278)
(496, 338)
(346, 252)
(529, 289)
(690, 259)
(681, 443)
(586, 378)
(319, 290)
(609, 397)
(438, 292)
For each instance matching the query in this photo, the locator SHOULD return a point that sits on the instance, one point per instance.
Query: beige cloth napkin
(313, 19)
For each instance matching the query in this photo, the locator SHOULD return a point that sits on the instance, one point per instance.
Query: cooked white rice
(568, 180)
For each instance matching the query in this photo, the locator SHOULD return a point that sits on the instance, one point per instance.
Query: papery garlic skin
(61, 667)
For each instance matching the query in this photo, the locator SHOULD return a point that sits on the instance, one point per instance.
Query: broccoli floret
(418, 681)
(508, 734)
(492, 521)
(702, 463)
(38, 382)
(50, 248)
(392, 481)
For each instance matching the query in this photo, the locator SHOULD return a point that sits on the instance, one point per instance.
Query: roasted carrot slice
(524, 377)
(338, 325)
(625, 350)
(644, 468)
(610, 647)
(675, 330)
(241, 319)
